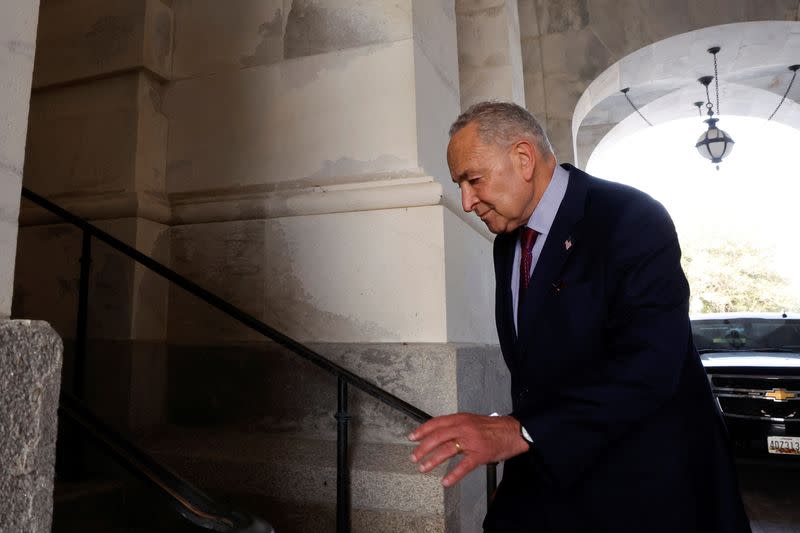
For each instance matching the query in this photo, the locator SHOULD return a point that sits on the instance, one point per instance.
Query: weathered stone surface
(275, 114)
(564, 15)
(125, 300)
(104, 137)
(30, 376)
(399, 291)
(528, 20)
(489, 55)
(212, 37)
(230, 403)
(436, 89)
(265, 388)
(17, 45)
(85, 39)
(315, 27)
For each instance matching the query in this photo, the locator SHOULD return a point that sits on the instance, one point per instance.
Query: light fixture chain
(625, 92)
(785, 94)
(716, 82)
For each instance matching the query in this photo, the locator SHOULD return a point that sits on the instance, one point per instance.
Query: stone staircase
(253, 427)
(112, 506)
(291, 481)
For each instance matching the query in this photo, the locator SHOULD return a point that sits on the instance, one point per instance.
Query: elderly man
(614, 428)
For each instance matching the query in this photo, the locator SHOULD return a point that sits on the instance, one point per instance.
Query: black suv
(753, 364)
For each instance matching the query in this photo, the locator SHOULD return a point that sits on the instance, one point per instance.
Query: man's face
(491, 179)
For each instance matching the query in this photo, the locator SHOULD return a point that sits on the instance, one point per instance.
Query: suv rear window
(746, 334)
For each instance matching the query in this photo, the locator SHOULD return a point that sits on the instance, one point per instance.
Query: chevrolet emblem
(779, 395)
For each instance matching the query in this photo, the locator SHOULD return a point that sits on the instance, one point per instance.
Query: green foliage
(730, 275)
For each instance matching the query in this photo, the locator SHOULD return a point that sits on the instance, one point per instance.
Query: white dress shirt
(541, 220)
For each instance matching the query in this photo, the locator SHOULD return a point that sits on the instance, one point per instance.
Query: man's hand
(481, 439)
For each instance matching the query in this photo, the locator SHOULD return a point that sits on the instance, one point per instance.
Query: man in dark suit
(614, 427)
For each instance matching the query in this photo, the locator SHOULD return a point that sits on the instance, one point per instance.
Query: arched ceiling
(663, 83)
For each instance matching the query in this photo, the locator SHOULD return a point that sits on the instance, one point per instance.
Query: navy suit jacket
(606, 379)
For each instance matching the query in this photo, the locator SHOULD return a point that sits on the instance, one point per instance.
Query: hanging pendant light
(714, 144)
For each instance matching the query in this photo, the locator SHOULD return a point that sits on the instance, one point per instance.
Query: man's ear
(525, 155)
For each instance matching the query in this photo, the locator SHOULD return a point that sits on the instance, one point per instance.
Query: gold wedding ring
(458, 447)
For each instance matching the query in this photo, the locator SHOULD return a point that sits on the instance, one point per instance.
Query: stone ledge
(104, 206)
(258, 203)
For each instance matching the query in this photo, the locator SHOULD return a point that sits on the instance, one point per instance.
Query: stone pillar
(290, 157)
(30, 377)
(18, 19)
(489, 51)
(97, 146)
(309, 186)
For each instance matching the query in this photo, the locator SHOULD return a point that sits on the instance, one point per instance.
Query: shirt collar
(545, 213)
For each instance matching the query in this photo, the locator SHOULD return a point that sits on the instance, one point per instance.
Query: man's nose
(468, 198)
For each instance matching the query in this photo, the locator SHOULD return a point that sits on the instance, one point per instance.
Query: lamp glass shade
(714, 144)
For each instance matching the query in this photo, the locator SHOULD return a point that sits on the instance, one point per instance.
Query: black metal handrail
(343, 375)
(189, 501)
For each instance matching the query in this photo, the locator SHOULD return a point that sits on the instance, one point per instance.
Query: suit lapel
(505, 312)
(563, 237)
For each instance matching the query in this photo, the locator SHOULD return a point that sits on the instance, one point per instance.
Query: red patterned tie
(526, 241)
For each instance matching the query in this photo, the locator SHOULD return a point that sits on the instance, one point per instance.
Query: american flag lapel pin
(568, 243)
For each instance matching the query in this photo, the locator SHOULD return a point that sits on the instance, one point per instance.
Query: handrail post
(491, 483)
(342, 463)
(79, 372)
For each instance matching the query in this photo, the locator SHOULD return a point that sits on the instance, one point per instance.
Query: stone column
(290, 157)
(489, 51)
(30, 377)
(18, 19)
(97, 146)
(309, 186)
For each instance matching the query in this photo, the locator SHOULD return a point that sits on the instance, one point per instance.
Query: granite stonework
(566, 44)
(229, 402)
(30, 377)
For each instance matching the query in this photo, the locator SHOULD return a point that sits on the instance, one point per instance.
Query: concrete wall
(566, 44)
(18, 22)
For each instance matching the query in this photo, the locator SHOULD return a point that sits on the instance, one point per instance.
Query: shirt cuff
(523, 431)
(525, 434)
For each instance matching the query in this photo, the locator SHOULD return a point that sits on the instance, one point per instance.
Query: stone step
(293, 477)
(296, 517)
(113, 506)
(92, 505)
(264, 386)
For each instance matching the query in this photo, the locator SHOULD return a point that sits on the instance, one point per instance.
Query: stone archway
(663, 81)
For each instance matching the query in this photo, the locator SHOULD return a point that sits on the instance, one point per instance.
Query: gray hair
(502, 123)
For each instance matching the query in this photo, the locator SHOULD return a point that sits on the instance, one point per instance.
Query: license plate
(784, 445)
